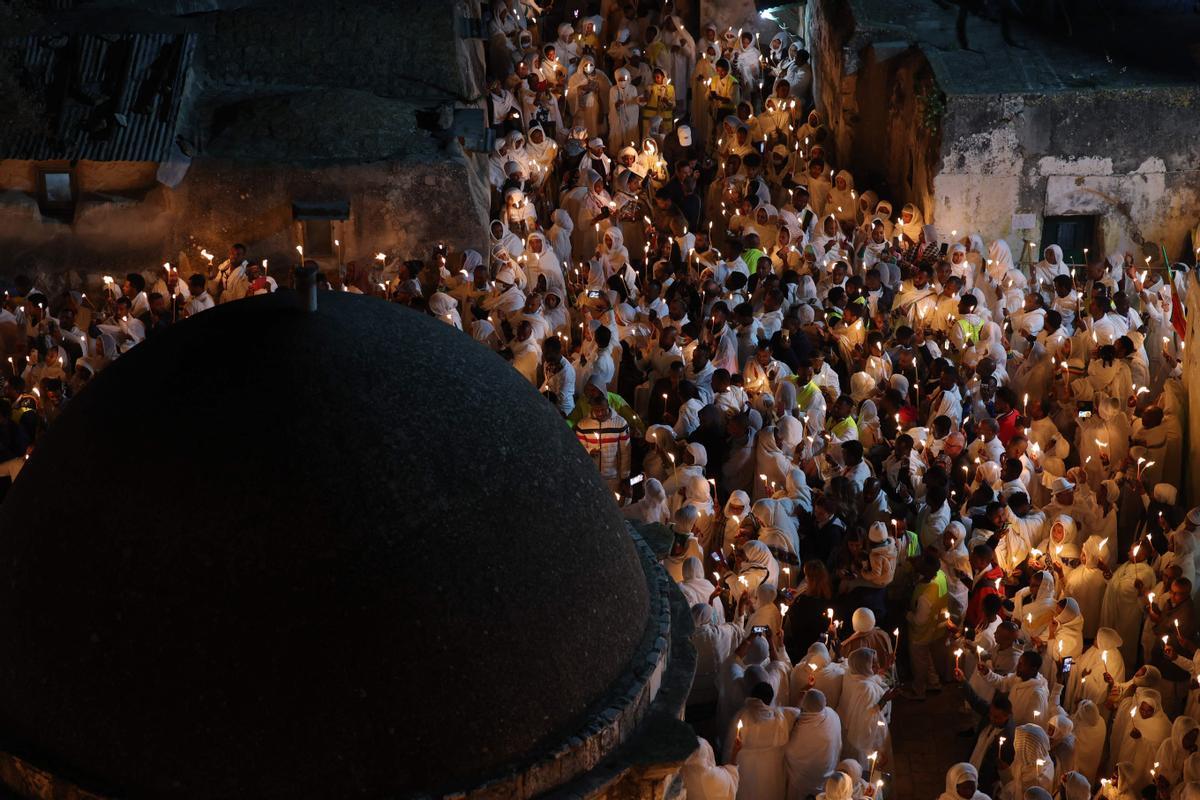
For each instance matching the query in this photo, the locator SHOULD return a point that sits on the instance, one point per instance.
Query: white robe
(812, 752)
(760, 762)
(860, 712)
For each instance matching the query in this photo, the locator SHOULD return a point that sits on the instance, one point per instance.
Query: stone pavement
(925, 745)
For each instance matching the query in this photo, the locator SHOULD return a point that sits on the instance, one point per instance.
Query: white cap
(1061, 485)
(1165, 493)
(685, 136)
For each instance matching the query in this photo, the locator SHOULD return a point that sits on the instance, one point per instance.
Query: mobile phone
(761, 630)
(944, 248)
(1068, 662)
(1086, 408)
(594, 294)
(636, 479)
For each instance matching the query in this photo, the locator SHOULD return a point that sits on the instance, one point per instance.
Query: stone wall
(870, 97)
(122, 226)
(1126, 156)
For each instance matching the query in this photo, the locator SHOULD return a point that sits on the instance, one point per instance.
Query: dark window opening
(318, 238)
(57, 191)
(1072, 234)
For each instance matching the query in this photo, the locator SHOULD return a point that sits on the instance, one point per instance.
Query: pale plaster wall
(1122, 155)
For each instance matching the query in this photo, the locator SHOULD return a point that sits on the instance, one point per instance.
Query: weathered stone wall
(870, 97)
(1127, 156)
(400, 208)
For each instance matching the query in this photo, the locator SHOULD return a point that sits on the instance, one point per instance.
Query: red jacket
(984, 585)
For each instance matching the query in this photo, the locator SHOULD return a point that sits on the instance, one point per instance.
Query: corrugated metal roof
(107, 97)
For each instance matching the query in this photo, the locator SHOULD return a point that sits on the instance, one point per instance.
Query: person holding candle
(1148, 728)
(1026, 688)
(230, 279)
(925, 625)
(1101, 666)
(1032, 766)
(704, 780)
(865, 702)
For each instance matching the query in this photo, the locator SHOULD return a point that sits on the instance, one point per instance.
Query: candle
(300, 250)
(872, 758)
(958, 656)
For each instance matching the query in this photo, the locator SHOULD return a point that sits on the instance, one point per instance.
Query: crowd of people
(894, 461)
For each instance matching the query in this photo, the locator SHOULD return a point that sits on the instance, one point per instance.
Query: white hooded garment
(864, 722)
(813, 748)
(1154, 730)
(704, 780)
(760, 760)
(962, 772)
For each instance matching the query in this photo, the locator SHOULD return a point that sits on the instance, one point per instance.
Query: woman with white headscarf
(505, 238)
(697, 588)
(703, 779)
(1146, 678)
(1190, 782)
(1087, 583)
(779, 523)
(560, 236)
(769, 461)
(1123, 609)
(1036, 611)
(1066, 632)
(682, 57)
(652, 508)
(1122, 786)
(593, 218)
(1061, 729)
(1173, 753)
(1090, 733)
(758, 566)
(843, 204)
(796, 492)
(445, 308)
(1049, 268)
(755, 741)
(911, 224)
(813, 746)
(817, 670)
(587, 92)
(1086, 681)
(1032, 765)
(541, 265)
(838, 786)
(1153, 728)
(956, 562)
(624, 113)
(765, 613)
(962, 783)
(865, 709)
(715, 641)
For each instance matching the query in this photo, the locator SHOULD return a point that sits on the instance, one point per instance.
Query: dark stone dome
(273, 553)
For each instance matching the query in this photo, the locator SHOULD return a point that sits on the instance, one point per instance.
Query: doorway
(1072, 234)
